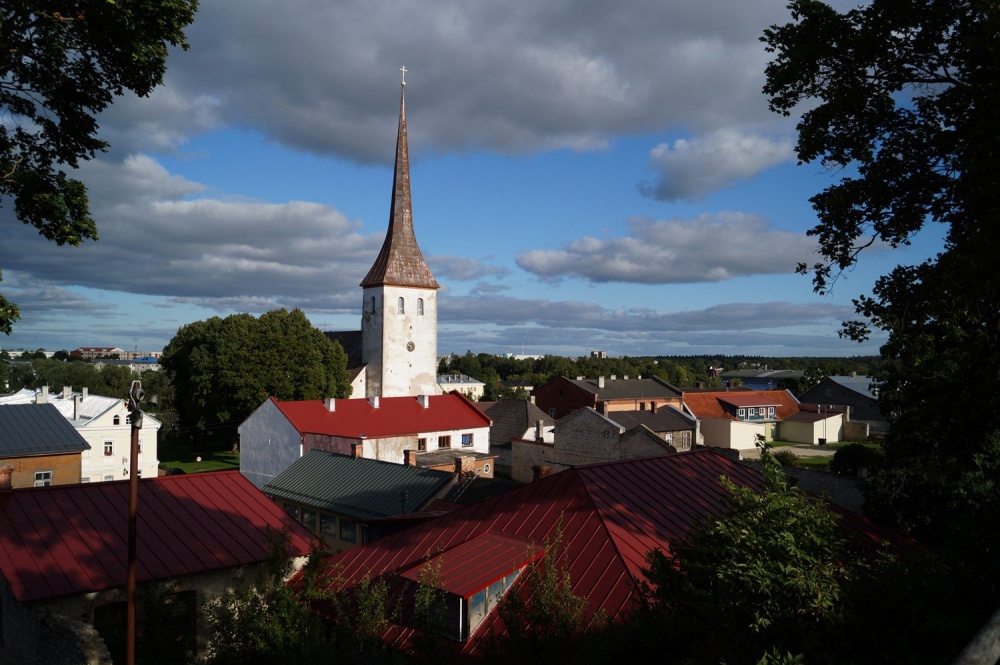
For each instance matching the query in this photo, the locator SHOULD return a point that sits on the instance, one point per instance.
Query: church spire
(400, 262)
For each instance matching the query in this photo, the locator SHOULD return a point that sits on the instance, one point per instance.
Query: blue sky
(585, 175)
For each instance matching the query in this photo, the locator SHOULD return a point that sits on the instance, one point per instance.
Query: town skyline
(573, 189)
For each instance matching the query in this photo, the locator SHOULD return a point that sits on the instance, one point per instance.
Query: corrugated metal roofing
(611, 516)
(356, 487)
(37, 429)
(395, 416)
(477, 563)
(70, 539)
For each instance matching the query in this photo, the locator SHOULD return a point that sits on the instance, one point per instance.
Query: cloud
(694, 168)
(513, 79)
(464, 270)
(710, 248)
(223, 254)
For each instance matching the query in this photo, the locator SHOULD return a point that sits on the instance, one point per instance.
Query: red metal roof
(395, 416)
(753, 399)
(611, 516)
(70, 539)
(477, 563)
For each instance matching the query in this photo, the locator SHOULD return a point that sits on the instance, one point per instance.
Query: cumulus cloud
(710, 248)
(515, 79)
(464, 270)
(694, 168)
(155, 239)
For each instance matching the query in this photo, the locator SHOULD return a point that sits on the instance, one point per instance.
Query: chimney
(410, 457)
(465, 464)
(539, 431)
(373, 400)
(358, 449)
(854, 375)
(424, 401)
(43, 398)
(541, 471)
(699, 384)
(85, 391)
(600, 381)
(76, 407)
(330, 404)
(67, 392)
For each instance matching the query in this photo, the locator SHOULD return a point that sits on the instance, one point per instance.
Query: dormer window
(473, 577)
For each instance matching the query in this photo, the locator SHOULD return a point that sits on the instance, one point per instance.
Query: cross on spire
(403, 69)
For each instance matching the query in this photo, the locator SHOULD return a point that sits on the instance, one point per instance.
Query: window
(444, 442)
(829, 392)
(118, 420)
(348, 530)
(552, 412)
(292, 510)
(85, 480)
(140, 445)
(109, 448)
(642, 406)
(486, 599)
(309, 519)
(108, 478)
(741, 413)
(43, 478)
(128, 419)
(328, 524)
(422, 444)
(373, 304)
(770, 410)
(401, 306)
(420, 306)
(466, 440)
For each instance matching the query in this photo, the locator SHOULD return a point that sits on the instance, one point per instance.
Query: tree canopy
(223, 369)
(902, 99)
(62, 62)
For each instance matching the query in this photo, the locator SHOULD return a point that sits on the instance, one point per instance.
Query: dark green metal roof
(37, 429)
(356, 487)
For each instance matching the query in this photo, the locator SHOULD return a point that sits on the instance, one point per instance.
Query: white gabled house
(105, 423)
(429, 431)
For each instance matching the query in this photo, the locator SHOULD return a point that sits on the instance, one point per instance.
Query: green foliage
(854, 456)
(769, 576)
(903, 100)
(786, 458)
(62, 63)
(542, 618)
(264, 621)
(223, 369)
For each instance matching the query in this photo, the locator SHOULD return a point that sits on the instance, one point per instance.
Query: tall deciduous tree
(62, 62)
(903, 100)
(222, 369)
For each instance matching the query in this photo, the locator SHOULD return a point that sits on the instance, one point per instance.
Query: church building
(395, 354)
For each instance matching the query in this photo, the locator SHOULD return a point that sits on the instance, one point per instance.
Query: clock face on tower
(410, 346)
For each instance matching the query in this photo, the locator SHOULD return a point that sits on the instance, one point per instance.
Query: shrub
(787, 458)
(850, 458)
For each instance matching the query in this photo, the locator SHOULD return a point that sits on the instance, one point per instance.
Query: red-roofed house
(735, 419)
(611, 515)
(426, 430)
(63, 553)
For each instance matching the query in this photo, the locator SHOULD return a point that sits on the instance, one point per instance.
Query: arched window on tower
(373, 304)
(401, 307)
(420, 306)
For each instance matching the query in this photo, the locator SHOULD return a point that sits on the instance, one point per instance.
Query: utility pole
(135, 396)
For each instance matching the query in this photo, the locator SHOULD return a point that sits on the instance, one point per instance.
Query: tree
(62, 62)
(223, 369)
(903, 99)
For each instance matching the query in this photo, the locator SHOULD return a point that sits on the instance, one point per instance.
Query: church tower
(399, 309)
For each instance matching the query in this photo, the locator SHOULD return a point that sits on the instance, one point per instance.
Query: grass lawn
(185, 456)
(815, 462)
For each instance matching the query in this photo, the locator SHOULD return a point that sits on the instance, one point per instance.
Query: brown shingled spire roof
(400, 262)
